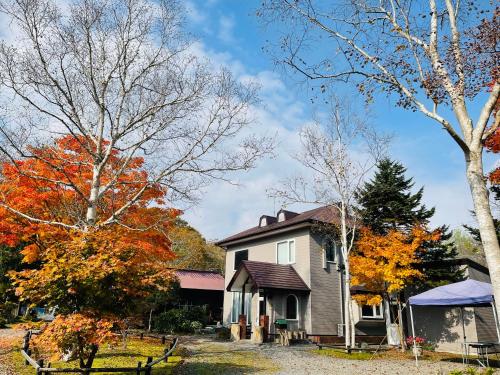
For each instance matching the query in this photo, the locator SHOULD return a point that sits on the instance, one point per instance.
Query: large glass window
(292, 307)
(285, 252)
(236, 306)
(240, 256)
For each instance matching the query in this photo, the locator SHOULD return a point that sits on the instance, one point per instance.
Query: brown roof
(270, 275)
(324, 214)
(204, 280)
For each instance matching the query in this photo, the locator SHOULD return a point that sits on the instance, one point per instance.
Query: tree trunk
(348, 334)
(349, 321)
(489, 240)
(93, 352)
(387, 317)
(91, 215)
(150, 319)
(400, 327)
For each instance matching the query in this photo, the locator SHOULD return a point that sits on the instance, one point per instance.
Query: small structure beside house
(443, 325)
(198, 288)
(288, 268)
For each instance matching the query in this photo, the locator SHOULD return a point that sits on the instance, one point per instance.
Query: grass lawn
(137, 350)
(215, 359)
(395, 354)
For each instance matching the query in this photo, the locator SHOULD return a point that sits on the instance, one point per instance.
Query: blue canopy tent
(462, 294)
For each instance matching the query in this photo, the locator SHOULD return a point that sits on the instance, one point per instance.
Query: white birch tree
(436, 56)
(121, 78)
(338, 153)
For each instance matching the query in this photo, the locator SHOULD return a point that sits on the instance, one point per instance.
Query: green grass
(137, 350)
(340, 353)
(214, 359)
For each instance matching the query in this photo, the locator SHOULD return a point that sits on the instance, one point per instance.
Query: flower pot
(417, 350)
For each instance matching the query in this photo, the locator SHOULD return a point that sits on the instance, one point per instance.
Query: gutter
(264, 234)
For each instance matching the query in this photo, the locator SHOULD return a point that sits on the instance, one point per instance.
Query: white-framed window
(285, 252)
(330, 252)
(292, 307)
(371, 312)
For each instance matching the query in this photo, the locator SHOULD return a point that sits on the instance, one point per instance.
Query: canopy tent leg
(495, 315)
(413, 335)
(464, 351)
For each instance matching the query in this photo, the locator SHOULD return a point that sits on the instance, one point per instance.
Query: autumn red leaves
(91, 273)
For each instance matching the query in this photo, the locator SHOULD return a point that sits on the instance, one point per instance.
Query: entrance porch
(264, 293)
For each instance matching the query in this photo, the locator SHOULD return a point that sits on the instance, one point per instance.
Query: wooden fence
(38, 365)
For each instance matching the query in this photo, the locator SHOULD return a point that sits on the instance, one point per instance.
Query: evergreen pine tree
(432, 254)
(386, 202)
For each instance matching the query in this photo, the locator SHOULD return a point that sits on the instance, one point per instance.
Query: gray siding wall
(478, 275)
(443, 326)
(485, 324)
(485, 320)
(325, 298)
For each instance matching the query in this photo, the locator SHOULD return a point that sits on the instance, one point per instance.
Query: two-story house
(289, 267)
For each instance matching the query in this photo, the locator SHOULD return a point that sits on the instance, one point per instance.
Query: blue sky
(229, 32)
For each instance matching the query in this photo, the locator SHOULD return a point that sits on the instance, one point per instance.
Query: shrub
(180, 320)
(195, 326)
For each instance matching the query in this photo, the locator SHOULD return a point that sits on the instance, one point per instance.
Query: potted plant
(416, 344)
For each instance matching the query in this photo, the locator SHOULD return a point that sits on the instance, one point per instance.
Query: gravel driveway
(300, 360)
(274, 359)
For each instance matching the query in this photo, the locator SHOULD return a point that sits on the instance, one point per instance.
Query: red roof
(204, 280)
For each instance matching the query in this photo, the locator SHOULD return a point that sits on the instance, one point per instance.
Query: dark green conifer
(387, 203)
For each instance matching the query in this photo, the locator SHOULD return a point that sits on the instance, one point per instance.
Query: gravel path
(298, 360)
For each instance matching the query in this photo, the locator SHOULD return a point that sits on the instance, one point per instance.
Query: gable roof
(204, 280)
(268, 275)
(325, 214)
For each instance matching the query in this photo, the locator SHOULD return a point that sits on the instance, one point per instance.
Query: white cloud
(226, 29)
(194, 13)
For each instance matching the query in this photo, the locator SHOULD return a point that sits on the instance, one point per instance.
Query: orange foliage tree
(385, 264)
(91, 272)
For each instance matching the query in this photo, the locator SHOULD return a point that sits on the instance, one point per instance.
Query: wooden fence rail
(41, 370)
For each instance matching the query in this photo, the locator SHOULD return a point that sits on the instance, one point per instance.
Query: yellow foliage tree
(385, 264)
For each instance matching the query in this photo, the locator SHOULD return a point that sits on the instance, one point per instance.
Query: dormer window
(266, 220)
(284, 215)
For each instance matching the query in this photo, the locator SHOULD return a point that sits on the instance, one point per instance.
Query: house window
(371, 312)
(292, 307)
(236, 307)
(330, 250)
(285, 252)
(240, 256)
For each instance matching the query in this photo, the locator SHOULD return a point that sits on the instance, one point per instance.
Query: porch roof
(266, 276)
